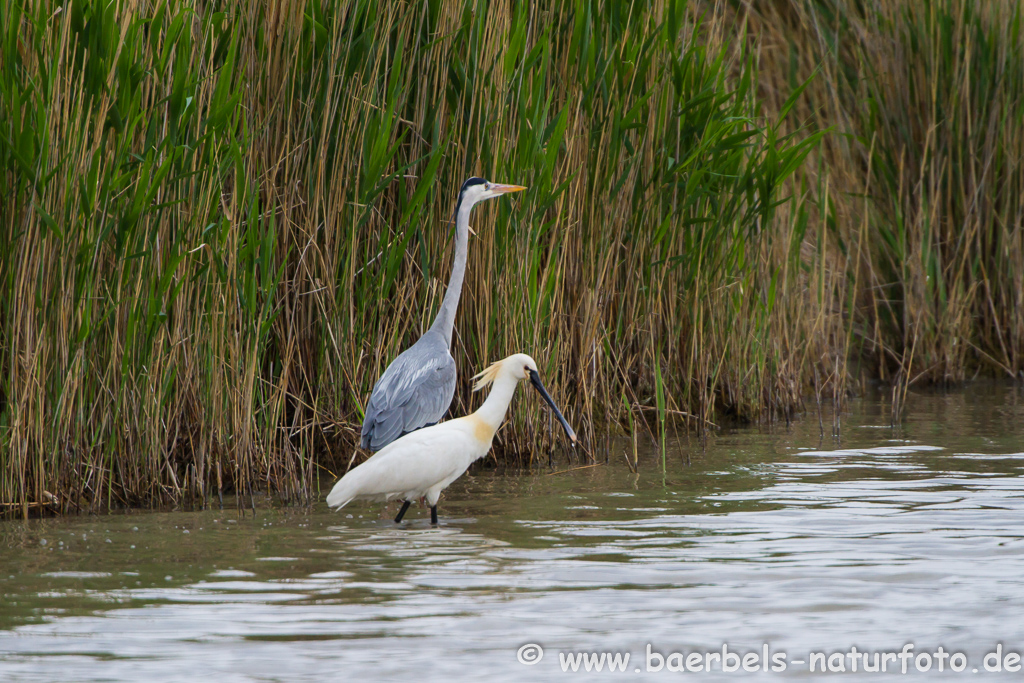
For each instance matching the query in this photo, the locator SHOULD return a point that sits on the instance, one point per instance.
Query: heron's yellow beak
(505, 189)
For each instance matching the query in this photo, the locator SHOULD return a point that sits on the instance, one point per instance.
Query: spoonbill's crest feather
(487, 377)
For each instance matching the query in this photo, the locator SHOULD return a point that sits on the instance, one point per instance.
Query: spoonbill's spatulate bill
(418, 386)
(425, 462)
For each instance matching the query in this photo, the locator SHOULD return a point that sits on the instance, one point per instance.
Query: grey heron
(418, 386)
(425, 462)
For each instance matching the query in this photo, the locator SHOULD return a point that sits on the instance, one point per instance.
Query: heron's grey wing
(413, 392)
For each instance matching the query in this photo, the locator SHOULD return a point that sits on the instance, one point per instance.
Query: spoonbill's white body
(423, 463)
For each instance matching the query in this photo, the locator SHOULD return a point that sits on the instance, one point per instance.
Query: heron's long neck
(494, 408)
(445, 320)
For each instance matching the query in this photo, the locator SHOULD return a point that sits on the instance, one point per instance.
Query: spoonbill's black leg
(401, 513)
(433, 515)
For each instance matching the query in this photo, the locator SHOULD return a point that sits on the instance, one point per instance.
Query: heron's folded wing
(414, 391)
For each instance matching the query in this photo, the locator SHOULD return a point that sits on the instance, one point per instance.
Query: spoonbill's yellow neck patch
(482, 431)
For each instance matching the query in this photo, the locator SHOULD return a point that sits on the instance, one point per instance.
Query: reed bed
(220, 221)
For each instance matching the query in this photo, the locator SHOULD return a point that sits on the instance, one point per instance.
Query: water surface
(779, 540)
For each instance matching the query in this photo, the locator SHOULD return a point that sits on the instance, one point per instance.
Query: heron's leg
(433, 515)
(401, 513)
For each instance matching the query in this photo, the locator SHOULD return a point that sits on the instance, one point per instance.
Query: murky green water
(778, 540)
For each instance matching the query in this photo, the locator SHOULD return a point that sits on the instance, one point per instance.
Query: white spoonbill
(423, 463)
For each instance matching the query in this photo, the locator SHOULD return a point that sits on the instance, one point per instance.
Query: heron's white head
(520, 367)
(477, 190)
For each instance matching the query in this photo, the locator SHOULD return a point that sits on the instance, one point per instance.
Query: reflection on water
(887, 538)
